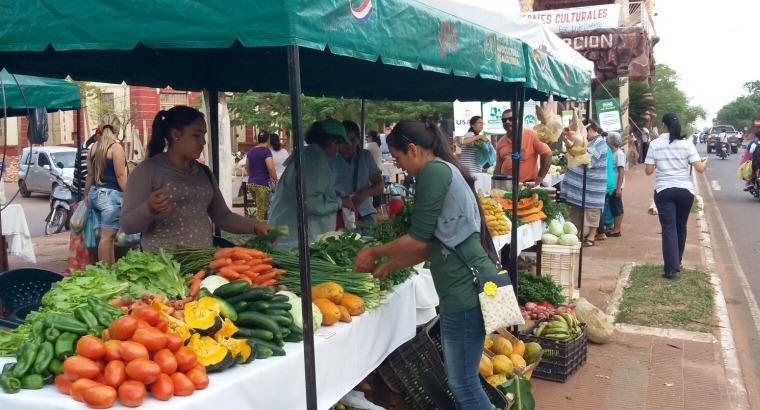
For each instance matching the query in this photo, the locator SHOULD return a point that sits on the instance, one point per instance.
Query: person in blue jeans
(446, 216)
(106, 180)
(670, 158)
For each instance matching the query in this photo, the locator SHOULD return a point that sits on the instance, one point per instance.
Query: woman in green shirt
(445, 227)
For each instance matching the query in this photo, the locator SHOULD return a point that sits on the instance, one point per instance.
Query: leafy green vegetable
(397, 226)
(532, 288)
(340, 250)
(519, 387)
(264, 242)
(150, 272)
(551, 208)
(9, 340)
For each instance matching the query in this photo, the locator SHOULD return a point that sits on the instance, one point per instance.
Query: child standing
(616, 199)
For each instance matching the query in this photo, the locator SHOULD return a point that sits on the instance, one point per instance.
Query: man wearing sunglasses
(532, 151)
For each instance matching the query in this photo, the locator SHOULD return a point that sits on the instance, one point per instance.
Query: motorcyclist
(752, 147)
(723, 138)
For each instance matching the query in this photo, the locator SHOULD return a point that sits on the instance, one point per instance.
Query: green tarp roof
(22, 91)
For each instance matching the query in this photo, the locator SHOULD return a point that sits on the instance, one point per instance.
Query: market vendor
(445, 227)
(356, 175)
(170, 198)
(532, 152)
(323, 139)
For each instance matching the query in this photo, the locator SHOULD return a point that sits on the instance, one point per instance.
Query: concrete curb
(737, 393)
(617, 294)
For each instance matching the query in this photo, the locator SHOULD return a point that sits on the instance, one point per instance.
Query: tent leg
(213, 121)
(518, 108)
(363, 123)
(294, 77)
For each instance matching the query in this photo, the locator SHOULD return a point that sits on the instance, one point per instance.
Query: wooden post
(624, 106)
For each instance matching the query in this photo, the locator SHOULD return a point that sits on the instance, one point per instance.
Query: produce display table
(553, 178)
(345, 354)
(527, 236)
(16, 231)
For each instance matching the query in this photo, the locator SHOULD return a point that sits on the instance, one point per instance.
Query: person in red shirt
(533, 152)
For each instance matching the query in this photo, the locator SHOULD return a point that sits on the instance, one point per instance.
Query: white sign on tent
(492, 117)
(463, 111)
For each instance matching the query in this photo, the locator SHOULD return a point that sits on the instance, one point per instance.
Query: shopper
(446, 215)
(171, 198)
(615, 199)
(469, 151)
(535, 156)
(279, 154)
(261, 174)
(670, 157)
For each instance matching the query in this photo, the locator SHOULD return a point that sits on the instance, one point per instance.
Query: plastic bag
(745, 171)
(349, 218)
(91, 229)
(78, 217)
(598, 325)
(485, 154)
(128, 240)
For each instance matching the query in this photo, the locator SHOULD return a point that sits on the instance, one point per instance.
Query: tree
(669, 98)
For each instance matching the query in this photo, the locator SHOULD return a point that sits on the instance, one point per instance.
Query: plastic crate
(561, 263)
(415, 372)
(561, 358)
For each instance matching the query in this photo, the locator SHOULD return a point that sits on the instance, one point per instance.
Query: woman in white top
(279, 154)
(467, 144)
(672, 155)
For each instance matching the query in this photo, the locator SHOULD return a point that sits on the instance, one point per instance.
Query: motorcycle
(723, 150)
(61, 205)
(754, 187)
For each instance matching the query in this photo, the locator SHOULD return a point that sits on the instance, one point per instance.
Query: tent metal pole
(517, 127)
(294, 77)
(213, 122)
(79, 150)
(363, 123)
(3, 243)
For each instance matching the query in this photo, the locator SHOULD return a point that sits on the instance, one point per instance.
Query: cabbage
(296, 312)
(568, 227)
(555, 228)
(549, 239)
(568, 239)
(211, 283)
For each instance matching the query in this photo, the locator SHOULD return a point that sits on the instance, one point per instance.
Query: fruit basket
(561, 358)
(415, 372)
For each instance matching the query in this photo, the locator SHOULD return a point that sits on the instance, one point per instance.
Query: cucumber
(295, 329)
(226, 310)
(262, 352)
(240, 306)
(248, 333)
(283, 321)
(278, 341)
(258, 306)
(279, 299)
(293, 338)
(252, 295)
(258, 320)
(280, 305)
(276, 350)
(203, 292)
(231, 289)
(278, 312)
(284, 331)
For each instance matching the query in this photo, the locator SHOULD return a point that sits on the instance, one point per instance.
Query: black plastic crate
(561, 358)
(415, 372)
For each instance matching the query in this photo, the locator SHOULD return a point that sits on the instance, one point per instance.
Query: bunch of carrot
(171, 306)
(250, 265)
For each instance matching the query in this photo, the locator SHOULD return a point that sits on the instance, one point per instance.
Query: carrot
(195, 287)
(249, 274)
(270, 282)
(253, 262)
(224, 253)
(115, 302)
(227, 273)
(179, 314)
(261, 268)
(238, 268)
(219, 263)
(255, 253)
(198, 276)
(159, 297)
(124, 309)
(268, 261)
(246, 279)
(237, 255)
(263, 278)
(279, 271)
(240, 262)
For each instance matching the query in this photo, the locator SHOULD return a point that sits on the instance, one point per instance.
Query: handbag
(128, 240)
(79, 217)
(91, 229)
(745, 171)
(498, 301)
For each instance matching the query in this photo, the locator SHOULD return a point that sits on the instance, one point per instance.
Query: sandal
(588, 243)
(600, 237)
(614, 234)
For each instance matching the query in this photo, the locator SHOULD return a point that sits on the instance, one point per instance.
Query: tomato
(112, 350)
(163, 388)
(149, 314)
(100, 397)
(200, 366)
(132, 393)
(186, 359)
(162, 325)
(91, 347)
(198, 377)
(115, 374)
(144, 370)
(63, 384)
(122, 328)
(79, 367)
(129, 351)
(174, 342)
(183, 386)
(166, 361)
(150, 337)
(101, 365)
(79, 386)
(100, 379)
(141, 324)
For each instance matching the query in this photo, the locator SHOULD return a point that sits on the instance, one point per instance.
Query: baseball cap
(334, 127)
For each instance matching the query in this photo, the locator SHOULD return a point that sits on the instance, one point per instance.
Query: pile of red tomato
(138, 356)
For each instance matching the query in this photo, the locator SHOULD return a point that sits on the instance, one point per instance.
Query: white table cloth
(390, 169)
(16, 232)
(553, 178)
(345, 354)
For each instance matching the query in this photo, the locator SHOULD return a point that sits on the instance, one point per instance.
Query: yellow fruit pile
(496, 220)
(502, 356)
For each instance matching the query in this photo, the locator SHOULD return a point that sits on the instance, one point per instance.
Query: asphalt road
(36, 208)
(735, 235)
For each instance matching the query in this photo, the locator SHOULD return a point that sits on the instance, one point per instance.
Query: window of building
(107, 100)
(171, 99)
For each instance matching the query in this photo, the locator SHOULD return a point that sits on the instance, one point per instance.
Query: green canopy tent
(399, 50)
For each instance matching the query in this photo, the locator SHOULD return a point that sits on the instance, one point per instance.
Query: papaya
(485, 367)
(497, 380)
(518, 348)
(517, 360)
(502, 365)
(533, 352)
(501, 345)
(534, 217)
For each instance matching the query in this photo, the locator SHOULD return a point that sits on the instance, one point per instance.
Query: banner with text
(463, 111)
(578, 18)
(492, 117)
(608, 112)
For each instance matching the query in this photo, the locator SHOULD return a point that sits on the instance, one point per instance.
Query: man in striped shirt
(596, 186)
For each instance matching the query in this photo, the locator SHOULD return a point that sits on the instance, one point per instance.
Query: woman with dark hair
(447, 227)
(260, 172)
(172, 199)
(671, 156)
(323, 138)
(467, 144)
(279, 154)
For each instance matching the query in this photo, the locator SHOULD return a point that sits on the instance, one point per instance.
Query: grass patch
(694, 206)
(683, 303)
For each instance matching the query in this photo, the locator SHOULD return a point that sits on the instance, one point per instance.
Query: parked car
(713, 142)
(37, 169)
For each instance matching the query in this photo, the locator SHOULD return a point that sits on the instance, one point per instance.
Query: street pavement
(637, 369)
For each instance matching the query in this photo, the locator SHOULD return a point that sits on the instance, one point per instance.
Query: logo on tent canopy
(363, 11)
(541, 59)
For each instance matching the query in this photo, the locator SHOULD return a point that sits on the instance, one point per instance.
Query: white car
(37, 170)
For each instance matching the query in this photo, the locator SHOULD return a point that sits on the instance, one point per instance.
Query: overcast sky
(710, 44)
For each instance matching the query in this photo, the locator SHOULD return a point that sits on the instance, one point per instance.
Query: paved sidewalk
(636, 371)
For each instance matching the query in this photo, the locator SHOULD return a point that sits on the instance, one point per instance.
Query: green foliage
(743, 110)
(669, 98)
(520, 388)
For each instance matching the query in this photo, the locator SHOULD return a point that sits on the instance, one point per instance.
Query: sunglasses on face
(506, 119)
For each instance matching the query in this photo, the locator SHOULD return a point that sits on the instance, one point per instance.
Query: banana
(560, 317)
(559, 336)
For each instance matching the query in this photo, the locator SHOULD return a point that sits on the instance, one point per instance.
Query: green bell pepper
(8, 383)
(86, 315)
(64, 345)
(52, 334)
(32, 382)
(55, 367)
(25, 359)
(65, 323)
(45, 354)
